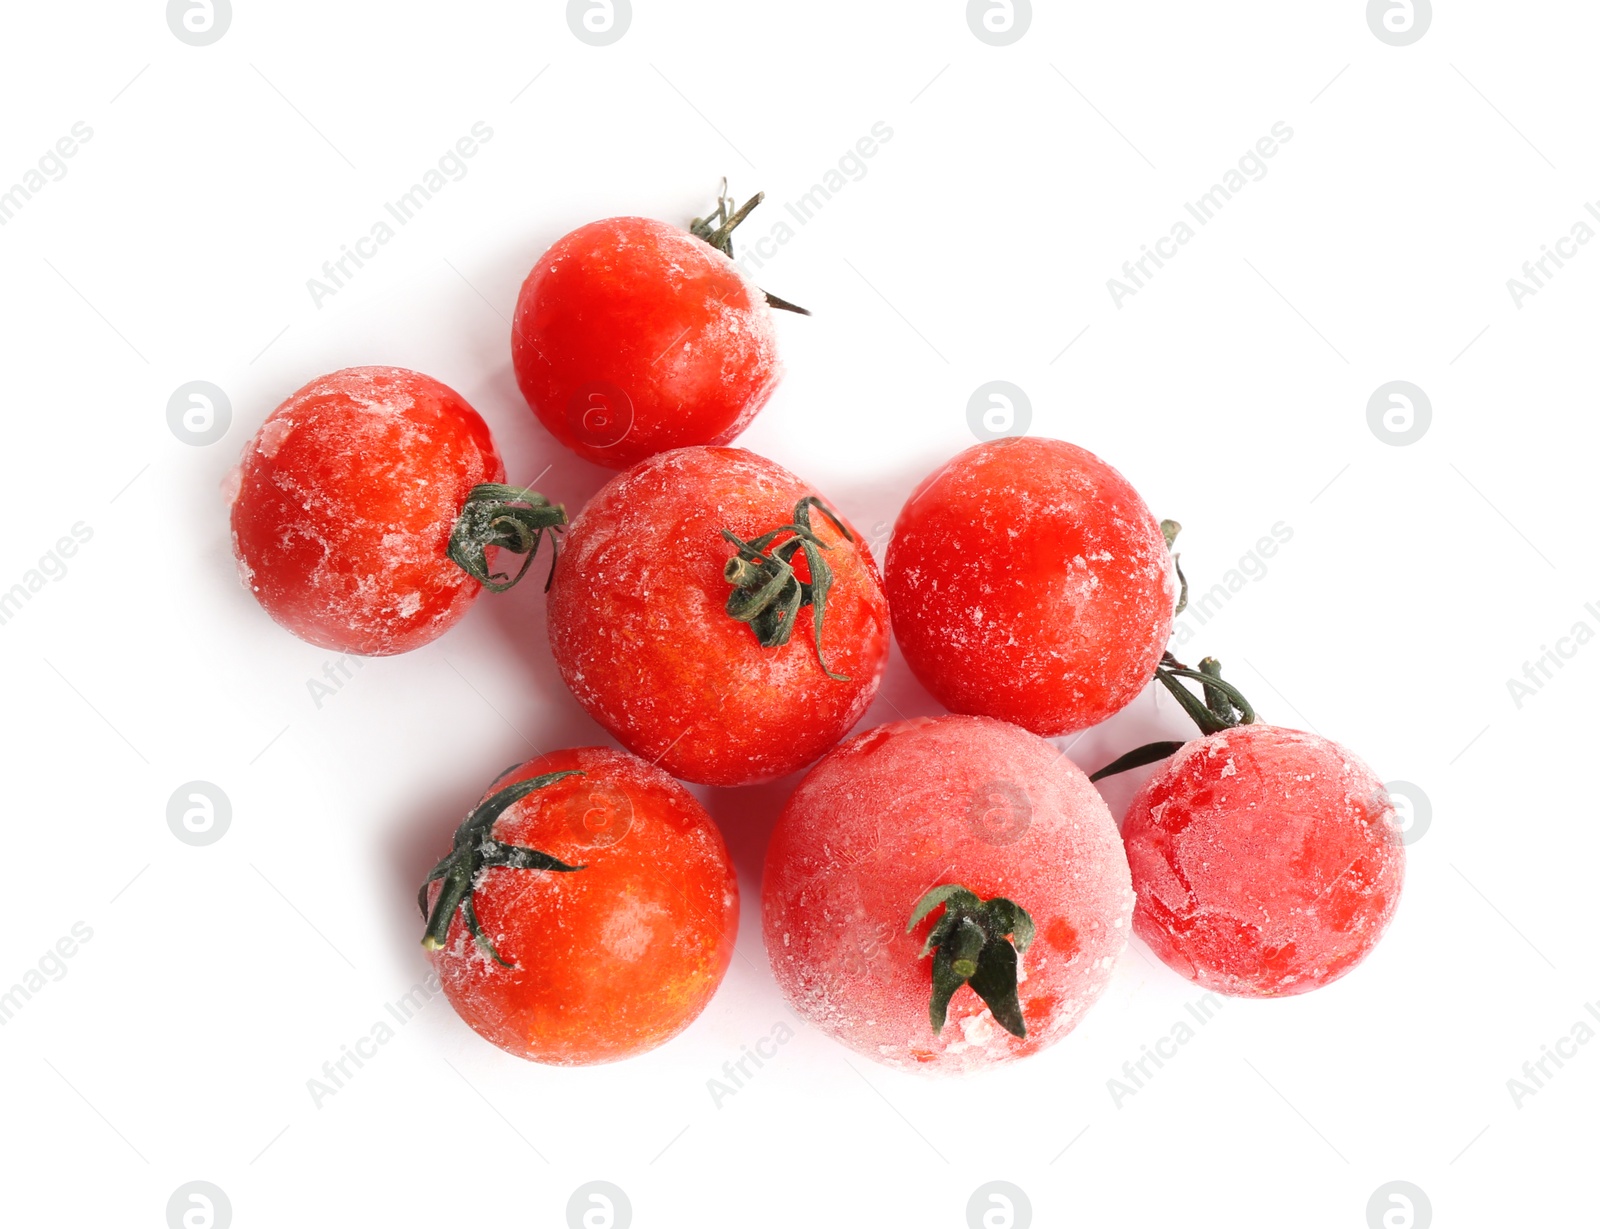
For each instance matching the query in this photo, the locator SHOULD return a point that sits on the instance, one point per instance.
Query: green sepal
(1012, 919)
(946, 981)
(473, 850)
(940, 932)
(768, 595)
(816, 592)
(1170, 531)
(995, 983)
(521, 858)
(512, 518)
(1223, 708)
(469, 915)
(717, 230)
(935, 897)
(974, 943)
(1138, 758)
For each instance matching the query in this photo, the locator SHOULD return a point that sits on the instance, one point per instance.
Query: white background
(1232, 391)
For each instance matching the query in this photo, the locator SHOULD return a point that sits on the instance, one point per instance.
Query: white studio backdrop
(1434, 546)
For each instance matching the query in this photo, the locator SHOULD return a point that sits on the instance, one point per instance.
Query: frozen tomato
(720, 619)
(368, 508)
(1029, 582)
(945, 893)
(586, 911)
(1267, 861)
(634, 336)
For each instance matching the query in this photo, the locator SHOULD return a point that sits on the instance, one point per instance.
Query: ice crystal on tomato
(1266, 861)
(913, 805)
(617, 951)
(641, 630)
(633, 336)
(1029, 582)
(344, 503)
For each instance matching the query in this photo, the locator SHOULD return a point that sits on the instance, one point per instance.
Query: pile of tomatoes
(942, 893)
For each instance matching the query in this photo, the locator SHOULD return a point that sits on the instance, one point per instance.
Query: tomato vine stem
(1224, 707)
(1170, 531)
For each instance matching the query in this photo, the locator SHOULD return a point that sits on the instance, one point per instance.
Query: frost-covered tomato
(717, 617)
(1267, 861)
(1029, 582)
(366, 508)
(634, 336)
(945, 893)
(586, 911)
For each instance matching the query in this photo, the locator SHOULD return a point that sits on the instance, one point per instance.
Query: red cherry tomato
(945, 803)
(1267, 862)
(348, 509)
(586, 912)
(1029, 582)
(633, 336)
(641, 628)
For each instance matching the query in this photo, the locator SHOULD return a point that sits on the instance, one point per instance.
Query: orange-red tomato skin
(616, 958)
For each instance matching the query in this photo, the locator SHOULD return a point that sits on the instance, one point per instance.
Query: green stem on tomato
(976, 944)
(474, 850)
(511, 518)
(1170, 531)
(768, 595)
(717, 230)
(1224, 708)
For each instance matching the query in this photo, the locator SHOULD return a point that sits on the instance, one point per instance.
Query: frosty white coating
(1267, 861)
(903, 808)
(1030, 582)
(640, 630)
(343, 503)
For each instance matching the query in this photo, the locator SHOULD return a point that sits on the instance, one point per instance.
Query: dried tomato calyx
(766, 592)
(717, 230)
(970, 947)
(512, 518)
(1224, 708)
(473, 851)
